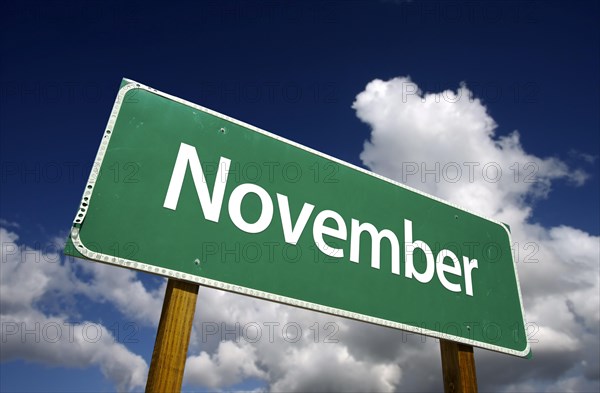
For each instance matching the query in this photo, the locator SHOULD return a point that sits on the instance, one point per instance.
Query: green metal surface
(124, 218)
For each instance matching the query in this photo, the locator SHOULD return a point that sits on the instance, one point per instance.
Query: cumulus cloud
(446, 144)
(289, 349)
(332, 368)
(54, 341)
(232, 362)
(123, 289)
(37, 288)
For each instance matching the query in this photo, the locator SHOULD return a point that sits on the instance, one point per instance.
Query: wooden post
(458, 367)
(173, 337)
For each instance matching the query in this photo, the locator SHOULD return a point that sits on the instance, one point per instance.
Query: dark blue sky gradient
(290, 68)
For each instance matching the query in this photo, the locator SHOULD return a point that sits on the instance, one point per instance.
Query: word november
(211, 207)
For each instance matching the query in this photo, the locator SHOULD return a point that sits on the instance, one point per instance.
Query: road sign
(184, 192)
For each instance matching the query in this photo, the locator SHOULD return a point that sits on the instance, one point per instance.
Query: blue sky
(295, 69)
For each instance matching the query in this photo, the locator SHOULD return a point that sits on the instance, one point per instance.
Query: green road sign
(184, 192)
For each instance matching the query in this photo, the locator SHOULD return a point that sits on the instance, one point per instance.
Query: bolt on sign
(184, 192)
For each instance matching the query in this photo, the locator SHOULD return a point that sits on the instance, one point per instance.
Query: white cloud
(54, 341)
(8, 224)
(290, 349)
(421, 139)
(445, 144)
(231, 363)
(125, 291)
(332, 368)
(36, 289)
(586, 157)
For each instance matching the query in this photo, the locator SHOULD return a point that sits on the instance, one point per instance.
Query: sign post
(458, 367)
(196, 196)
(172, 337)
